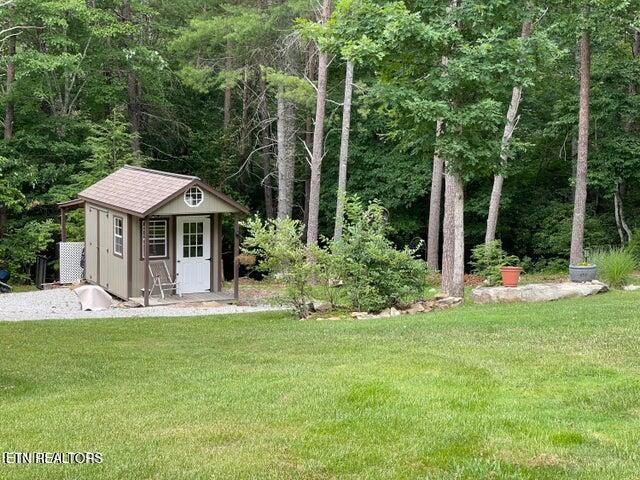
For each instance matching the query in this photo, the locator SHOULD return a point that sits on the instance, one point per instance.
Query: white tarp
(93, 297)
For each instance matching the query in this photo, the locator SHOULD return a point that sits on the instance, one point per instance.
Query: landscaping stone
(319, 306)
(389, 312)
(631, 288)
(536, 292)
(448, 302)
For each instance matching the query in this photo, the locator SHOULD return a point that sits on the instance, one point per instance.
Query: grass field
(519, 391)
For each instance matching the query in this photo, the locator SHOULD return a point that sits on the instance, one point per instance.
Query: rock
(631, 288)
(319, 306)
(415, 308)
(389, 312)
(440, 296)
(536, 292)
(360, 315)
(448, 302)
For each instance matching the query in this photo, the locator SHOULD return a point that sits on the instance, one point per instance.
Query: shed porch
(156, 301)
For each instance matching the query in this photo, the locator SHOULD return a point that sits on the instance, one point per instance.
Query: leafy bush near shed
(373, 274)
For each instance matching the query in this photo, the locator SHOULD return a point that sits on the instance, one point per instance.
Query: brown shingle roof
(139, 190)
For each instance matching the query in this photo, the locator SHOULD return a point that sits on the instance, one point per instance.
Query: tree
(344, 150)
(580, 197)
(318, 136)
(509, 128)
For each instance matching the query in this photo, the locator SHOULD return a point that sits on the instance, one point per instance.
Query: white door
(193, 252)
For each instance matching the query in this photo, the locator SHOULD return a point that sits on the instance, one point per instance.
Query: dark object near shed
(41, 271)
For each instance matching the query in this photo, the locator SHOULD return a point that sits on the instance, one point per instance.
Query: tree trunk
(318, 137)
(618, 204)
(509, 127)
(135, 113)
(133, 92)
(266, 151)
(580, 200)
(9, 111)
(226, 120)
(286, 154)
(453, 236)
(344, 150)
(435, 200)
(9, 114)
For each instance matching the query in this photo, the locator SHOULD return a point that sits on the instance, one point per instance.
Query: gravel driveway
(63, 303)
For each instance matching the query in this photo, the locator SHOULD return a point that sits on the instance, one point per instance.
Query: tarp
(93, 297)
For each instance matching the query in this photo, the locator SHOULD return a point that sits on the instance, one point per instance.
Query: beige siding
(103, 267)
(137, 280)
(210, 204)
(91, 243)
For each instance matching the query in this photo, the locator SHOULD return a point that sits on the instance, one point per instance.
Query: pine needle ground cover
(512, 391)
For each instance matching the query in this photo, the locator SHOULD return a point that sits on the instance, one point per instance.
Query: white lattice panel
(71, 269)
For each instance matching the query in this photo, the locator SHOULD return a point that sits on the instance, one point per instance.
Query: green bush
(486, 260)
(633, 247)
(374, 273)
(614, 266)
(21, 246)
(282, 253)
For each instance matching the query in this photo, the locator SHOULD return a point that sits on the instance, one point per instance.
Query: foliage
(486, 260)
(633, 247)
(374, 273)
(82, 66)
(20, 247)
(614, 266)
(282, 253)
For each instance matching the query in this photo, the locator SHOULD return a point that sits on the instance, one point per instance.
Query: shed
(137, 217)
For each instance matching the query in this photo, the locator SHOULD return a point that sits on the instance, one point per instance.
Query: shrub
(21, 246)
(374, 273)
(614, 266)
(486, 260)
(633, 247)
(278, 244)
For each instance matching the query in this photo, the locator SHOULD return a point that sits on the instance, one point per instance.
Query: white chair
(162, 278)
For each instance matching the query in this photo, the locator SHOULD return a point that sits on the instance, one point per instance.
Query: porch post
(63, 225)
(236, 252)
(145, 248)
(213, 270)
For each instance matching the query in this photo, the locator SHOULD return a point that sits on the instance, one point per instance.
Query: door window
(192, 239)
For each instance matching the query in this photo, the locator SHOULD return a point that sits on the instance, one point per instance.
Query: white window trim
(118, 236)
(165, 238)
(187, 195)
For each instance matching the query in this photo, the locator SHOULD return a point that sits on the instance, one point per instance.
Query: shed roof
(140, 191)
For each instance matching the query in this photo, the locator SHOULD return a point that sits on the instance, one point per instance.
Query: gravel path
(63, 303)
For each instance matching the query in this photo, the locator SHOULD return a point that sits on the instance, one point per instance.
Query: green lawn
(520, 391)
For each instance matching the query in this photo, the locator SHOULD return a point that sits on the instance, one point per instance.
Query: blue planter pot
(581, 274)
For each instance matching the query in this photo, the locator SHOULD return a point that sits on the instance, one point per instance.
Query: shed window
(158, 234)
(118, 232)
(193, 197)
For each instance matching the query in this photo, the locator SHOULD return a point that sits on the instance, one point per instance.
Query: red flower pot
(510, 276)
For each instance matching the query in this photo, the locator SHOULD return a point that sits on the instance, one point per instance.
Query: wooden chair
(162, 278)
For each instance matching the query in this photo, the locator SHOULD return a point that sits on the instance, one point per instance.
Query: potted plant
(583, 272)
(490, 261)
(510, 271)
